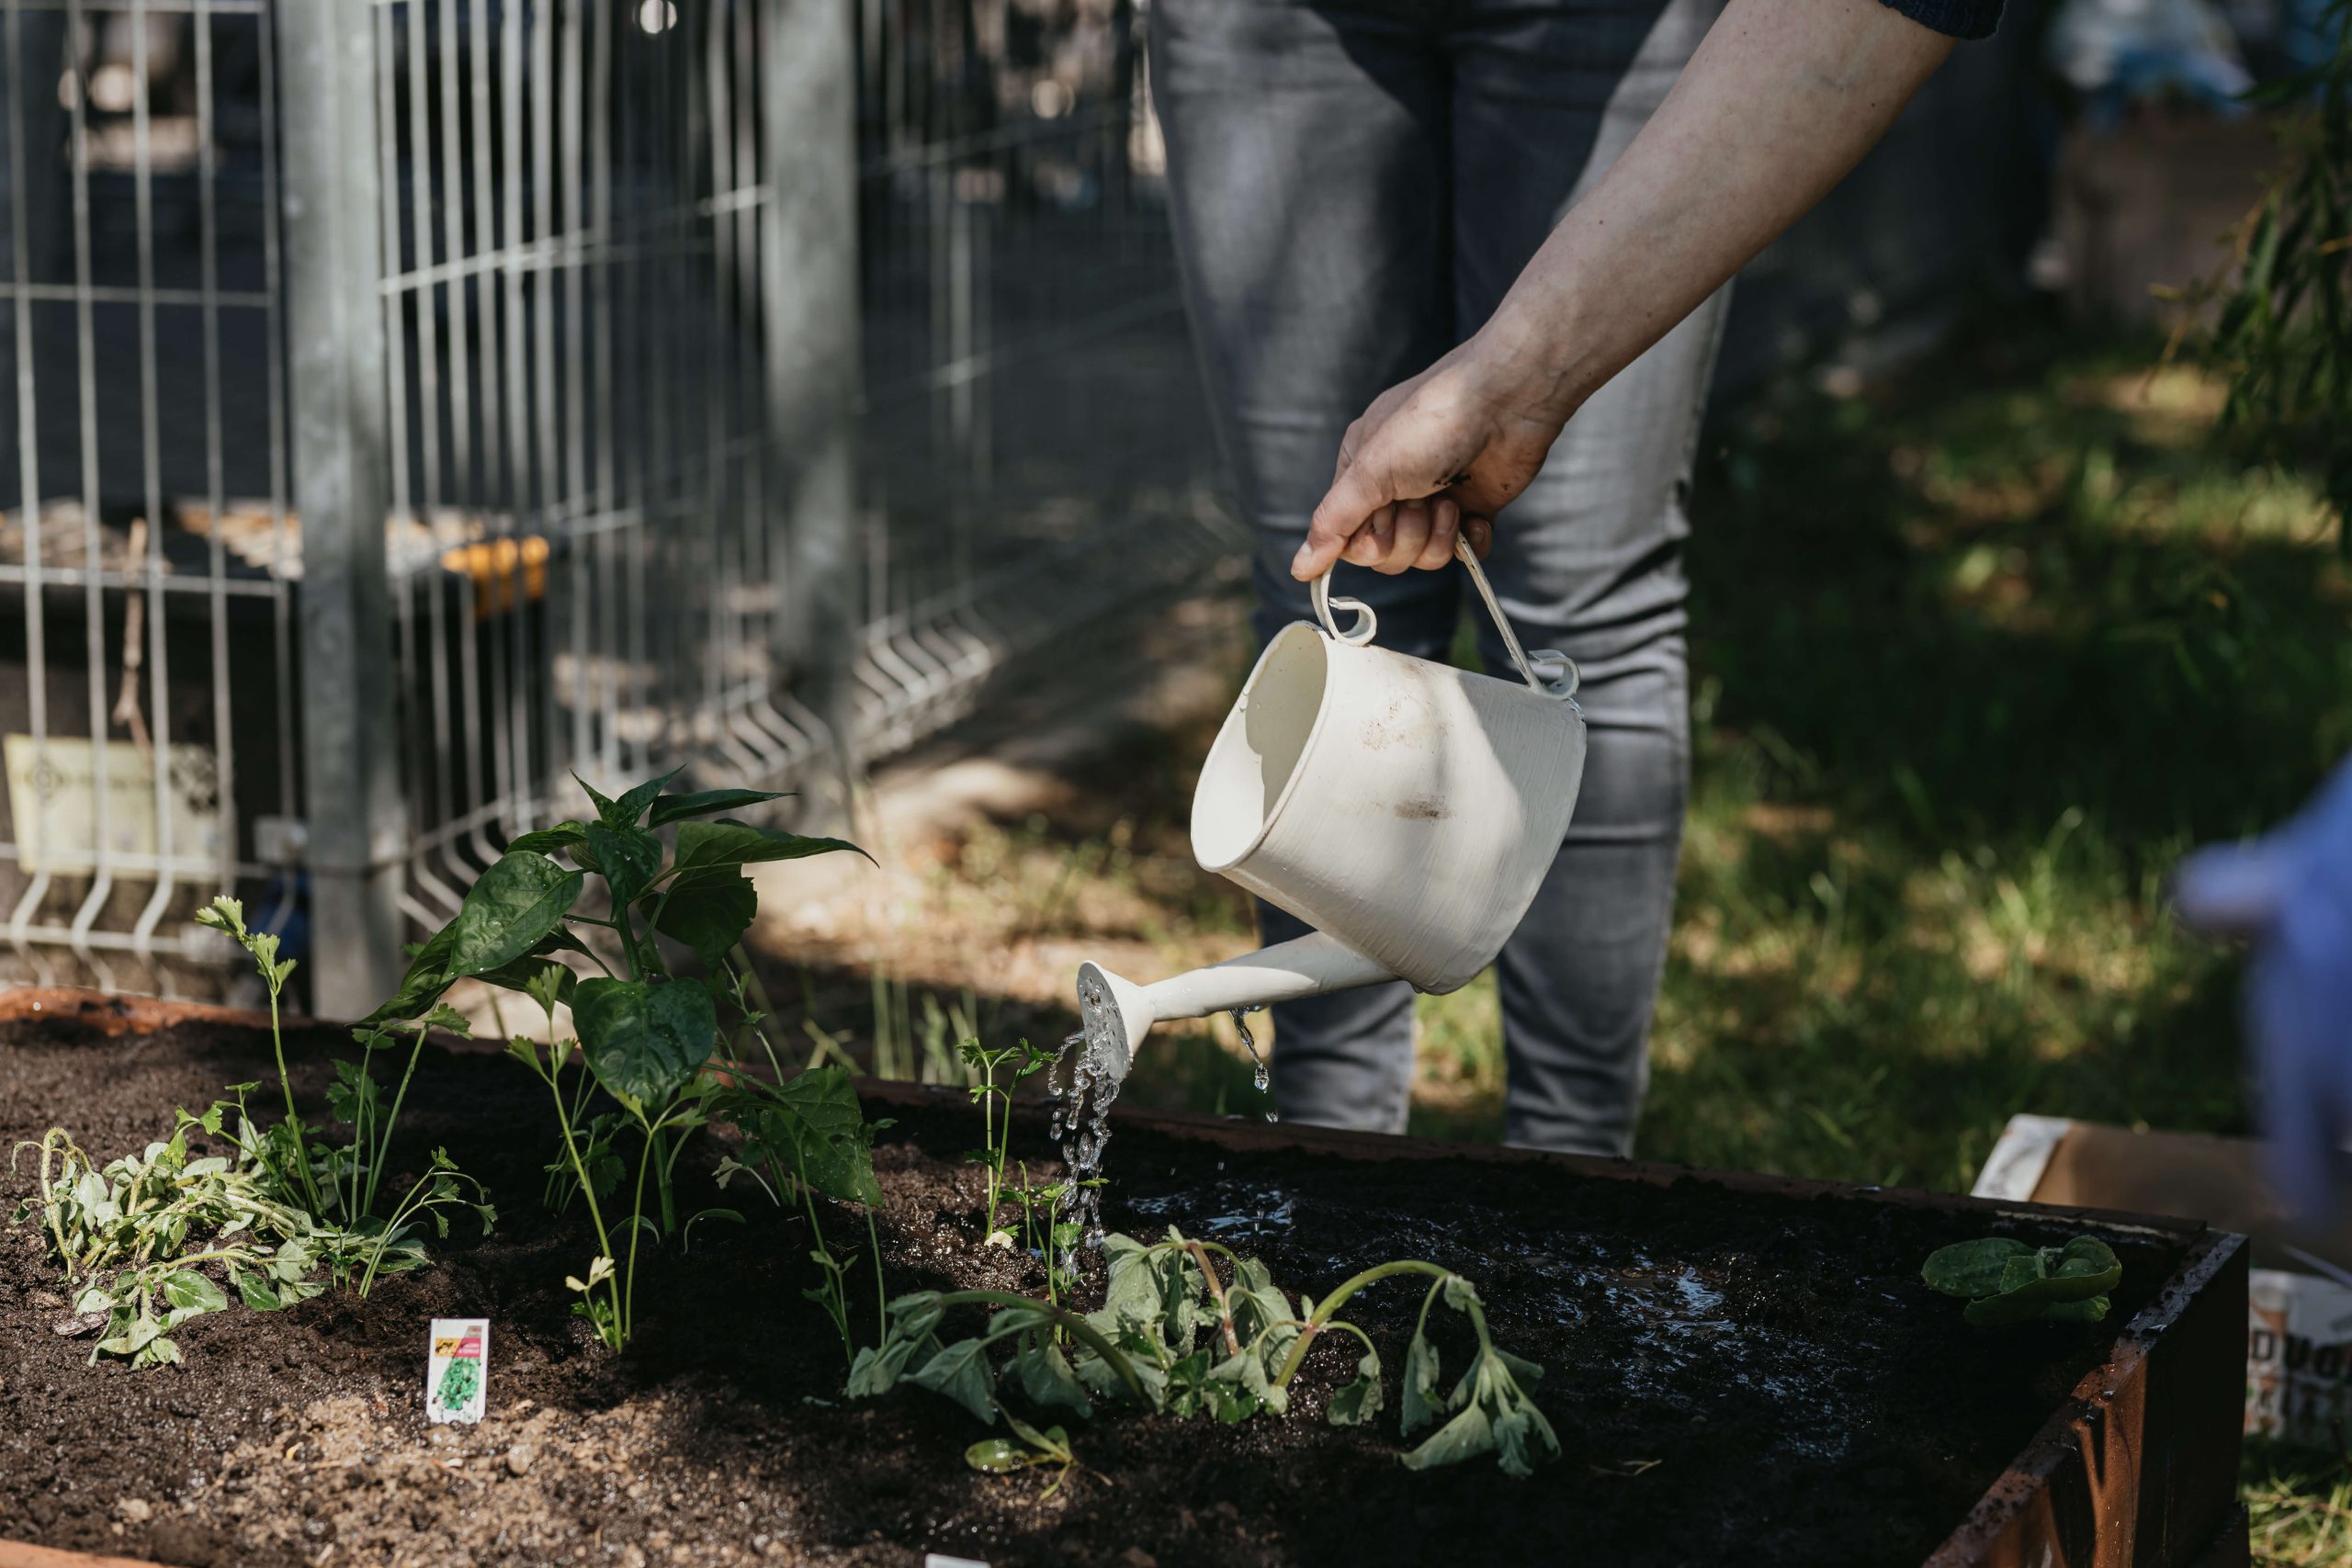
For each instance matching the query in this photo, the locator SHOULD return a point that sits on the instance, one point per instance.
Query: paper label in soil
(456, 1367)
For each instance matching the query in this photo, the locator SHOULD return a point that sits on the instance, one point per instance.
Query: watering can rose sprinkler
(1405, 809)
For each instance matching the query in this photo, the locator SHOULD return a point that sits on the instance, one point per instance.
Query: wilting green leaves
(1194, 1344)
(645, 1042)
(1491, 1410)
(2006, 1280)
(1359, 1402)
(961, 1371)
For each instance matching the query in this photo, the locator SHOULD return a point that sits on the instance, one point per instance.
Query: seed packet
(456, 1369)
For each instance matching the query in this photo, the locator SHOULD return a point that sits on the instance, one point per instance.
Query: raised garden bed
(1739, 1370)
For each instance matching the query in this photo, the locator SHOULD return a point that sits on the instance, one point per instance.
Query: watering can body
(1408, 810)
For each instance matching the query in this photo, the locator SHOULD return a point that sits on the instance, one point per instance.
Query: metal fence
(417, 402)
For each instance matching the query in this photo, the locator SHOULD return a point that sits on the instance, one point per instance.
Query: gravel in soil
(1735, 1379)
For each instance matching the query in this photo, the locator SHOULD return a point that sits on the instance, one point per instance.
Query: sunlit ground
(1976, 655)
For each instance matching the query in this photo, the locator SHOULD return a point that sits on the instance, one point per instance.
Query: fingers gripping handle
(1560, 679)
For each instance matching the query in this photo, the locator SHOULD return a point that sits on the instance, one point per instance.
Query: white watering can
(1406, 809)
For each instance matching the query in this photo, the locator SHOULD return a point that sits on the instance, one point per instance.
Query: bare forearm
(1783, 98)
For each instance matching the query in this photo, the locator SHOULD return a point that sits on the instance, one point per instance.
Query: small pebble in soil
(134, 1510)
(518, 1458)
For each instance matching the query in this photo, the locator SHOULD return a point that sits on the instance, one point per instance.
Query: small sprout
(598, 1272)
(2005, 1280)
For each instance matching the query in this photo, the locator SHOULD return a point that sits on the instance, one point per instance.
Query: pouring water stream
(1405, 810)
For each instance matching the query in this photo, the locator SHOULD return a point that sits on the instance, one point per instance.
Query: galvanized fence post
(809, 291)
(336, 350)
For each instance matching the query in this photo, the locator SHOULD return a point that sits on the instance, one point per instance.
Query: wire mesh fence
(418, 402)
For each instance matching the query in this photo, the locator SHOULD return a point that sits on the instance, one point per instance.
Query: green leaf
(549, 840)
(602, 803)
(256, 1291)
(1468, 1436)
(961, 1372)
(626, 811)
(541, 979)
(2011, 1306)
(189, 1290)
(630, 858)
(703, 802)
(1002, 1456)
(1421, 1403)
(738, 843)
(2087, 1267)
(2091, 1310)
(509, 911)
(1971, 1268)
(1360, 1401)
(428, 976)
(815, 1119)
(645, 1043)
(1046, 1378)
(709, 910)
(1519, 1434)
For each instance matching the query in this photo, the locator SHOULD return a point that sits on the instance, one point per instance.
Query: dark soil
(1735, 1379)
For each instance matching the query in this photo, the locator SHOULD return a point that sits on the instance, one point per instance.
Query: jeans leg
(1307, 177)
(1588, 561)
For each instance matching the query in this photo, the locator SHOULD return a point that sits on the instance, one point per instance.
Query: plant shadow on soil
(1756, 1380)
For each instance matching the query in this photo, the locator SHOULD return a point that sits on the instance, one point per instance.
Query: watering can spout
(1117, 1012)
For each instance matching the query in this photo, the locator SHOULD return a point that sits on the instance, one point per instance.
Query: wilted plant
(2005, 1280)
(1145, 1344)
(134, 1233)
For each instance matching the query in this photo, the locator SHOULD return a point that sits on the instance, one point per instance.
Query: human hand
(2290, 893)
(1434, 456)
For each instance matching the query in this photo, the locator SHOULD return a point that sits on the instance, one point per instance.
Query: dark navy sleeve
(1961, 18)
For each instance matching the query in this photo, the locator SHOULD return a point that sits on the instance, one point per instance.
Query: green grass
(1976, 656)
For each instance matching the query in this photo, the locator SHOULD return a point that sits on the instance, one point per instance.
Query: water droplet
(1272, 1115)
(1261, 1077)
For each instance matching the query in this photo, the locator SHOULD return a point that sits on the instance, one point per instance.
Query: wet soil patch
(1736, 1378)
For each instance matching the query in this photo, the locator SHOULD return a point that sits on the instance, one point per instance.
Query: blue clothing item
(1354, 190)
(1961, 18)
(2292, 894)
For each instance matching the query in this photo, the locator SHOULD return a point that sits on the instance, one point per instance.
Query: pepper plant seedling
(2005, 1280)
(811, 1137)
(1176, 1338)
(644, 1034)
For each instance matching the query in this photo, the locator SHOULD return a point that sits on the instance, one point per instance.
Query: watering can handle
(1563, 685)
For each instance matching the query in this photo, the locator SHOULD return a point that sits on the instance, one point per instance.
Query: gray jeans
(1354, 188)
